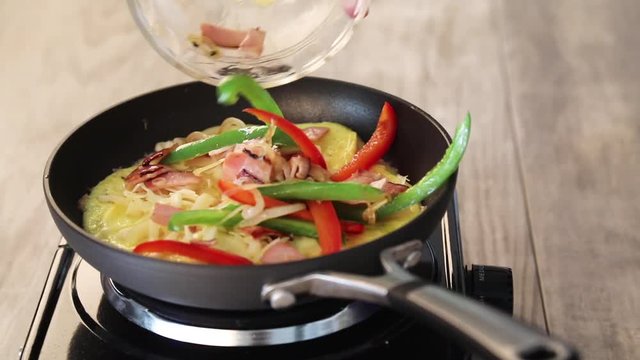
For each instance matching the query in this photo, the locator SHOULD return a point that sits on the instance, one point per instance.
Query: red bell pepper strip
(307, 147)
(198, 252)
(329, 230)
(352, 227)
(375, 148)
(246, 197)
(243, 196)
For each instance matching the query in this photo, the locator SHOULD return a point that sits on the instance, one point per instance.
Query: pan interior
(125, 133)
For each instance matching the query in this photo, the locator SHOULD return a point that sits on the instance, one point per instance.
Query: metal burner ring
(144, 317)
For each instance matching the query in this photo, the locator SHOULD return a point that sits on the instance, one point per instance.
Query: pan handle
(482, 329)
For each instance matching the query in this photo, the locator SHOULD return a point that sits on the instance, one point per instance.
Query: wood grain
(573, 74)
(60, 63)
(426, 55)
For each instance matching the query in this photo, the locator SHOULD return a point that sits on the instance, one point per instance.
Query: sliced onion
(209, 233)
(232, 214)
(221, 150)
(231, 123)
(203, 201)
(116, 199)
(369, 214)
(200, 170)
(253, 211)
(272, 213)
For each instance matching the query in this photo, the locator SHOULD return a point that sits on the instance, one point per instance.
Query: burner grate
(148, 318)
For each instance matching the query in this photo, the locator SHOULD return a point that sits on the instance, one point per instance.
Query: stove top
(82, 315)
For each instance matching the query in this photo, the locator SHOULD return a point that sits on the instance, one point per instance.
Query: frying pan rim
(51, 201)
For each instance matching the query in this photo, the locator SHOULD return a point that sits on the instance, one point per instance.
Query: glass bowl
(299, 35)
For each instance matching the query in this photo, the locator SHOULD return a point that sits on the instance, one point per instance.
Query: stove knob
(491, 285)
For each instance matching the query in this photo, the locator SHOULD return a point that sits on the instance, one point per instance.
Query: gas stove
(83, 315)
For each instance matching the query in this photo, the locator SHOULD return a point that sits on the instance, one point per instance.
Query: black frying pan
(128, 131)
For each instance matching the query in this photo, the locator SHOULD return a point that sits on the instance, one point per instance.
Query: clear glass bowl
(299, 35)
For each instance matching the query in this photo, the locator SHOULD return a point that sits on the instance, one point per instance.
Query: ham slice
(378, 181)
(315, 133)
(281, 252)
(162, 213)
(222, 36)
(300, 167)
(148, 169)
(144, 173)
(253, 43)
(240, 167)
(249, 41)
(173, 179)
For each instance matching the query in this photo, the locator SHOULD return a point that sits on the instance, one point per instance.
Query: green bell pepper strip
(292, 226)
(231, 87)
(311, 190)
(204, 217)
(201, 147)
(350, 212)
(217, 218)
(437, 176)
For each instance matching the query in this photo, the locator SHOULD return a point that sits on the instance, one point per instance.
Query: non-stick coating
(125, 133)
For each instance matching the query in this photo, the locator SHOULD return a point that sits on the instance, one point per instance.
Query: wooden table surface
(549, 185)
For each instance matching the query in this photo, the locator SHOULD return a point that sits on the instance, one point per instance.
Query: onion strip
(200, 170)
(272, 213)
(255, 210)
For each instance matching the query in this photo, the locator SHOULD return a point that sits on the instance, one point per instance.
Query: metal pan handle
(482, 329)
(487, 331)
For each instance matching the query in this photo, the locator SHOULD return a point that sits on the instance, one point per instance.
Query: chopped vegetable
(228, 92)
(306, 146)
(350, 212)
(328, 226)
(230, 89)
(204, 217)
(277, 188)
(225, 217)
(197, 252)
(292, 227)
(324, 215)
(197, 148)
(246, 197)
(273, 213)
(312, 190)
(375, 148)
(351, 227)
(437, 176)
